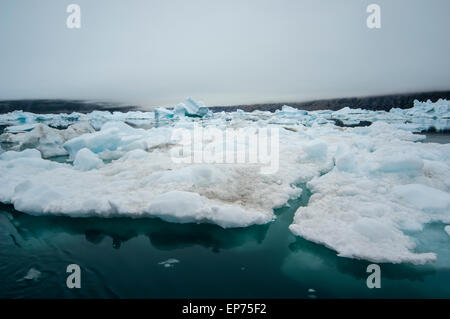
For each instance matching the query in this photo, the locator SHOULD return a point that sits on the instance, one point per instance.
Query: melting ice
(373, 188)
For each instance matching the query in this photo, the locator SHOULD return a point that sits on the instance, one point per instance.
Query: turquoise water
(120, 258)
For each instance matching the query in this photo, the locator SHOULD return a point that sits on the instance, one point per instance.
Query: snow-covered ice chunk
(425, 198)
(151, 185)
(187, 207)
(13, 155)
(135, 155)
(371, 208)
(289, 110)
(117, 138)
(163, 114)
(180, 206)
(86, 160)
(400, 163)
(190, 108)
(315, 149)
(193, 108)
(47, 140)
(20, 128)
(111, 137)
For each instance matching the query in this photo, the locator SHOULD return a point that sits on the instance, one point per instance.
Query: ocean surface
(122, 258)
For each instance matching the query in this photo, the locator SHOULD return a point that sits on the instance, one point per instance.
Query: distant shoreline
(380, 102)
(375, 103)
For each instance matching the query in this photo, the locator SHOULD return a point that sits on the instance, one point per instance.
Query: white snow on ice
(373, 188)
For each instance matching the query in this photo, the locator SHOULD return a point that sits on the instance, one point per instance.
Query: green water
(120, 258)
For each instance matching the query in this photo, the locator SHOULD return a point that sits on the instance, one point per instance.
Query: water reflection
(327, 258)
(162, 235)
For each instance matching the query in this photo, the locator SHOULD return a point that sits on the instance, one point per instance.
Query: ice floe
(378, 194)
(374, 187)
(48, 140)
(138, 186)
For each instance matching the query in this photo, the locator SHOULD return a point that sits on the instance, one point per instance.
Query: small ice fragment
(191, 108)
(85, 160)
(163, 113)
(311, 291)
(447, 229)
(33, 274)
(169, 262)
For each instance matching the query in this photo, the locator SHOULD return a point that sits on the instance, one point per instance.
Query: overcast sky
(221, 51)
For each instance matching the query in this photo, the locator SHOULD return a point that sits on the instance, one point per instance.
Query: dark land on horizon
(380, 102)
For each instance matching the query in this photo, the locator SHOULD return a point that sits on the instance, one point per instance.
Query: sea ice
(86, 160)
(13, 155)
(373, 188)
(47, 140)
(190, 108)
(368, 209)
(315, 150)
(20, 128)
(227, 195)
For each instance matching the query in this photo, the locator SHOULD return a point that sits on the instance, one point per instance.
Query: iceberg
(190, 108)
(163, 114)
(47, 140)
(116, 138)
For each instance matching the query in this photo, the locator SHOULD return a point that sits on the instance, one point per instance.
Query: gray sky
(221, 51)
